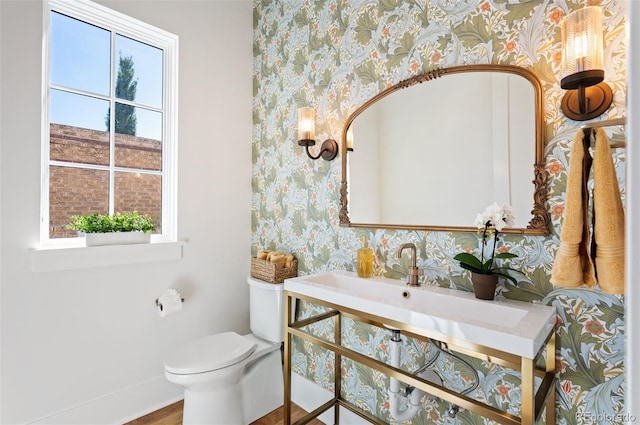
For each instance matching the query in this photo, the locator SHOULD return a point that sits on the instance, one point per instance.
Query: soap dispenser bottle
(364, 264)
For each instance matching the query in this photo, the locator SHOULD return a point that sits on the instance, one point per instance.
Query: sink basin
(511, 326)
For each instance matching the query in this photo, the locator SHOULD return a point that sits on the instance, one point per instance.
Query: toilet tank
(266, 309)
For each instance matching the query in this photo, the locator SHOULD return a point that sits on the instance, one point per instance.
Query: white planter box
(116, 238)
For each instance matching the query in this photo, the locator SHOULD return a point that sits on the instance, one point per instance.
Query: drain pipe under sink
(413, 400)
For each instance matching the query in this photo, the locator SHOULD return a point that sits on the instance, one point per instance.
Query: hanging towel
(608, 230)
(573, 266)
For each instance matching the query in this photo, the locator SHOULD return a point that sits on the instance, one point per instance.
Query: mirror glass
(434, 151)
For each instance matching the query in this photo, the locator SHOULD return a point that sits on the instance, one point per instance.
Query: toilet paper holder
(158, 301)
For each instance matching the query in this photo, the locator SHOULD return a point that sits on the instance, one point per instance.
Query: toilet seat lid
(209, 353)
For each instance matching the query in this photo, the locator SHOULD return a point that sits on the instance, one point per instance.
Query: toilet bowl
(230, 378)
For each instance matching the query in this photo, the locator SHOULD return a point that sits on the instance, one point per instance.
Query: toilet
(230, 378)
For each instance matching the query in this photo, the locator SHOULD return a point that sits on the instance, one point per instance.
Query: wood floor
(172, 415)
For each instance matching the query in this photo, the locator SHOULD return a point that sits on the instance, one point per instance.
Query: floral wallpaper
(336, 54)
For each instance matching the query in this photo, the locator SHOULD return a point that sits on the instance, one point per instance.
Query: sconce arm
(328, 149)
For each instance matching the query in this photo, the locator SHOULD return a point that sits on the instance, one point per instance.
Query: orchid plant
(490, 222)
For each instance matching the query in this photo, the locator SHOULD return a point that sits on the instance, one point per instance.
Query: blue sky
(80, 59)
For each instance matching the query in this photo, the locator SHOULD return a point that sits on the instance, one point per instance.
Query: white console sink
(513, 327)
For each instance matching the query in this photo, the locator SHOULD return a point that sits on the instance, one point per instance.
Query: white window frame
(108, 19)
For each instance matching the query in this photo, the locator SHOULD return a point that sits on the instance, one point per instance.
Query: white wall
(86, 346)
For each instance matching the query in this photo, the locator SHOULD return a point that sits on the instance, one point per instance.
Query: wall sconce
(307, 135)
(582, 65)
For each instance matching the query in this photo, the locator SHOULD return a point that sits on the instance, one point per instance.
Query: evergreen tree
(125, 120)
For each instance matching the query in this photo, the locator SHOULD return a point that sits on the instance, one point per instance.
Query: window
(109, 120)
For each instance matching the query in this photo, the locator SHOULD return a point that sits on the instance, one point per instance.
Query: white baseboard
(310, 396)
(121, 406)
(141, 399)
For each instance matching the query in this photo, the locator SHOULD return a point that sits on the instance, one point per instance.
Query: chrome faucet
(414, 271)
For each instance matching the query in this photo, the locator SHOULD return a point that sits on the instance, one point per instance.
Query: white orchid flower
(507, 215)
(481, 220)
(496, 216)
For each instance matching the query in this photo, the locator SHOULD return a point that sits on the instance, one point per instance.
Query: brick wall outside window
(79, 191)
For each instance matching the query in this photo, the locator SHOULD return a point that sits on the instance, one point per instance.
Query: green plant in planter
(106, 223)
(490, 222)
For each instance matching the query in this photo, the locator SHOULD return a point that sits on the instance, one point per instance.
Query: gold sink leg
(551, 367)
(337, 372)
(528, 396)
(287, 360)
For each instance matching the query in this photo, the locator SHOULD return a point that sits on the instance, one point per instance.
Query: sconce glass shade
(307, 136)
(587, 96)
(306, 126)
(350, 139)
(582, 48)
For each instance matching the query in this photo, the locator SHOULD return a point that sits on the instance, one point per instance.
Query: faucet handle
(414, 275)
(415, 271)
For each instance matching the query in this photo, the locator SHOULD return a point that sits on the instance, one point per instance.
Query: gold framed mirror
(447, 144)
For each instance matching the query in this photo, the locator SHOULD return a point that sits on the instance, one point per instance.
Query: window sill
(58, 259)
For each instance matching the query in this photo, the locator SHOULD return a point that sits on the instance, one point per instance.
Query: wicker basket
(271, 272)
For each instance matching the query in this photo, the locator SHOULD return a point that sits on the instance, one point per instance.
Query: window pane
(80, 55)
(75, 191)
(139, 76)
(138, 122)
(141, 148)
(78, 111)
(149, 124)
(139, 192)
(138, 152)
(80, 145)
